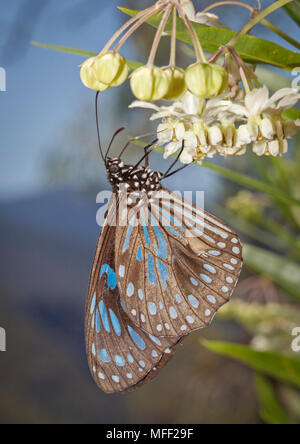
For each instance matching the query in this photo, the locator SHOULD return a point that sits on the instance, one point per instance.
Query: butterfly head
(132, 178)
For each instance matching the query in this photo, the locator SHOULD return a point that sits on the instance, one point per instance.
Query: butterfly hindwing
(121, 356)
(177, 265)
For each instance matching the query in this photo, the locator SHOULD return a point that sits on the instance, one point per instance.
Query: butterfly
(162, 269)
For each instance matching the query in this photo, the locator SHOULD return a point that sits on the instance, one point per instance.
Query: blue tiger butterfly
(162, 268)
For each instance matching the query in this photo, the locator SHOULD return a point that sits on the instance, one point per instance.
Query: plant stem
(226, 3)
(158, 35)
(154, 9)
(257, 20)
(253, 11)
(252, 183)
(125, 26)
(173, 38)
(196, 42)
(281, 33)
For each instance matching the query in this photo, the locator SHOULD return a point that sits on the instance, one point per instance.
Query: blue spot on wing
(122, 305)
(139, 254)
(162, 246)
(163, 271)
(111, 276)
(136, 338)
(151, 270)
(146, 233)
(119, 361)
(103, 314)
(103, 355)
(128, 235)
(98, 324)
(93, 304)
(115, 323)
(168, 227)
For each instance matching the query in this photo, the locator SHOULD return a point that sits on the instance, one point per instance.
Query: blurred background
(50, 173)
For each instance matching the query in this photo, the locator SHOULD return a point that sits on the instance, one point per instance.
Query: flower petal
(171, 148)
(267, 128)
(215, 135)
(260, 147)
(256, 100)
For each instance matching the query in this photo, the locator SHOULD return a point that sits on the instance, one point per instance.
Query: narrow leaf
(284, 273)
(284, 368)
(250, 182)
(81, 52)
(293, 10)
(271, 410)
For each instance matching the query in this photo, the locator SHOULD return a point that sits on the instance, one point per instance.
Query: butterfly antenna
(112, 140)
(98, 129)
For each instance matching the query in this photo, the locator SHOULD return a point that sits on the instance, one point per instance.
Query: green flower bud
(88, 76)
(111, 68)
(177, 86)
(206, 80)
(149, 83)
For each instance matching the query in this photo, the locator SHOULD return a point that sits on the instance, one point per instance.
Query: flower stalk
(257, 19)
(158, 35)
(173, 38)
(142, 20)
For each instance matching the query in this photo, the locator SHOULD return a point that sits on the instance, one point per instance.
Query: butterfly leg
(147, 150)
(173, 164)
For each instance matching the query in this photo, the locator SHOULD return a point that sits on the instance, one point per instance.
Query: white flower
(202, 128)
(257, 101)
(267, 128)
(188, 106)
(232, 150)
(246, 134)
(215, 135)
(270, 148)
(204, 18)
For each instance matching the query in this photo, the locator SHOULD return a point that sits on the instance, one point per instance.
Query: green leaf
(271, 410)
(82, 52)
(252, 49)
(284, 273)
(284, 368)
(250, 182)
(293, 10)
(291, 114)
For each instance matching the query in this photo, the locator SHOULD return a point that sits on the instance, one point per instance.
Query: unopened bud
(206, 80)
(149, 83)
(177, 86)
(111, 68)
(89, 78)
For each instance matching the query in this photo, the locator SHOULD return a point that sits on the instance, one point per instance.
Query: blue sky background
(44, 92)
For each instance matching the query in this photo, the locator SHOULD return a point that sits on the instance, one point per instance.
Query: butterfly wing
(177, 265)
(120, 354)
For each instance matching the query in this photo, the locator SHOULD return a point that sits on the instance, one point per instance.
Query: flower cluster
(222, 126)
(150, 82)
(218, 105)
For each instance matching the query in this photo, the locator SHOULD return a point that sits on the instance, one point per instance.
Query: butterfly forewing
(177, 265)
(120, 354)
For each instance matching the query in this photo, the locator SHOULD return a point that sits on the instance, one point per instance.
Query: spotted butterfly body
(161, 272)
